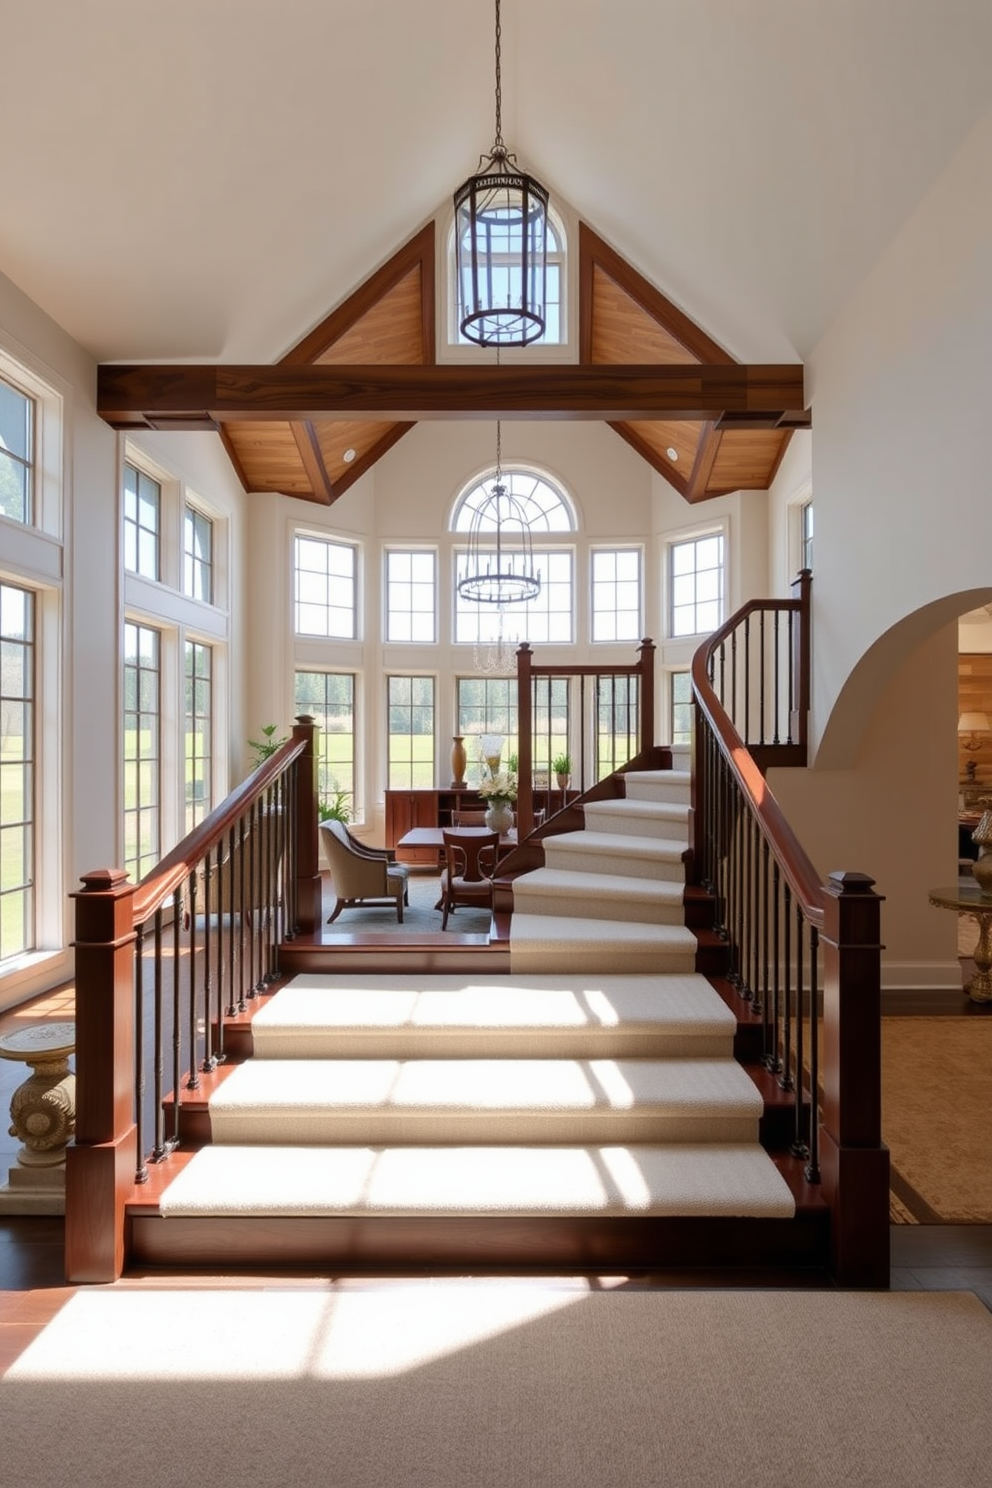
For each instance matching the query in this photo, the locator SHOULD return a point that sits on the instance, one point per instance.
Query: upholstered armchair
(360, 875)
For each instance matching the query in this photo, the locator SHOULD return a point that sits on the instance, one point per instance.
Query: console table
(968, 899)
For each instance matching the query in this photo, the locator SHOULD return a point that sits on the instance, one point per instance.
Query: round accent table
(43, 1116)
(968, 899)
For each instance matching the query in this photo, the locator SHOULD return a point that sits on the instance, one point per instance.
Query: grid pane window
(198, 556)
(616, 595)
(142, 748)
(617, 715)
(198, 732)
(142, 517)
(546, 620)
(16, 453)
(325, 574)
(488, 705)
(329, 698)
(806, 537)
(697, 585)
(681, 707)
(411, 595)
(411, 732)
(17, 771)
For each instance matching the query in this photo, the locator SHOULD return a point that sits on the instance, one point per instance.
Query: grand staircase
(591, 1109)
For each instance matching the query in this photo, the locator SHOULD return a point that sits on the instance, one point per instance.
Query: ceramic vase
(459, 759)
(499, 816)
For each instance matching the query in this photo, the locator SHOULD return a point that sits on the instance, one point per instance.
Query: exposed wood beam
(136, 396)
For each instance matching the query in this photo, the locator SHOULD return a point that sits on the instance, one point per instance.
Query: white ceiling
(206, 179)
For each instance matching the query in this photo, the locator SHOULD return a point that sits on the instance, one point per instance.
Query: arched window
(555, 329)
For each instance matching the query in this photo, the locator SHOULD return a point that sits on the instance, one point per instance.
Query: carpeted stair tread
(658, 785)
(549, 1016)
(666, 819)
(558, 934)
(617, 853)
(381, 1101)
(573, 894)
(735, 1180)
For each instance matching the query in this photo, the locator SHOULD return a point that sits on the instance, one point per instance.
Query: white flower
(499, 787)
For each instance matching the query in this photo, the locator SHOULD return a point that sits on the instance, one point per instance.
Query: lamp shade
(974, 723)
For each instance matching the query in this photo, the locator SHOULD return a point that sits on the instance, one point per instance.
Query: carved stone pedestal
(43, 1116)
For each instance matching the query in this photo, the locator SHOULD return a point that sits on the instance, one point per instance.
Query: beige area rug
(937, 1118)
(503, 1385)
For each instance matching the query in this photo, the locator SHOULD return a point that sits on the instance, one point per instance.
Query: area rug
(503, 1385)
(419, 916)
(937, 1118)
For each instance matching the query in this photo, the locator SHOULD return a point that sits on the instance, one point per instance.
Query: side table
(43, 1116)
(968, 899)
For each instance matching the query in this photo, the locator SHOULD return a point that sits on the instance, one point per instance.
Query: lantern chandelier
(499, 564)
(501, 231)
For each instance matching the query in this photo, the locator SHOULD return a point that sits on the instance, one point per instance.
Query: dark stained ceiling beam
(203, 396)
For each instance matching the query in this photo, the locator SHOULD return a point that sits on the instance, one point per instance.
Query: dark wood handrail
(157, 886)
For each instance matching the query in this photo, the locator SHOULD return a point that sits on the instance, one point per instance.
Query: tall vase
(459, 759)
(499, 816)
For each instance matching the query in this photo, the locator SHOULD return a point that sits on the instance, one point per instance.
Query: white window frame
(684, 539)
(478, 624)
(411, 552)
(455, 349)
(329, 541)
(615, 551)
(398, 674)
(324, 769)
(194, 510)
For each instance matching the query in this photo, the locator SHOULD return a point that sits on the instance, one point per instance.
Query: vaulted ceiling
(197, 183)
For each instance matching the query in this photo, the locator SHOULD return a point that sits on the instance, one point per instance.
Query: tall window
(329, 698)
(411, 732)
(696, 585)
(616, 594)
(16, 453)
(806, 535)
(142, 748)
(617, 713)
(17, 782)
(198, 555)
(411, 597)
(488, 705)
(680, 702)
(142, 522)
(545, 620)
(554, 326)
(326, 574)
(198, 732)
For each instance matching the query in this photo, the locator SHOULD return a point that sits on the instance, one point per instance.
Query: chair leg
(339, 906)
(399, 909)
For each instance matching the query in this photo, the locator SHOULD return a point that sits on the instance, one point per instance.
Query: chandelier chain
(498, 143)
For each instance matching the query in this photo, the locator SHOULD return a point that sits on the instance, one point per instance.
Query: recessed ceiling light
(348, 456)
(671, 452)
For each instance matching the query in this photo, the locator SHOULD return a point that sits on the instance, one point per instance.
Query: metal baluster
(785, 1079)
(158, 1058)
(237, 998)
(141, 1170)
(772, 1059)
(812, 1169)
(177, 1022)
(761, 677)
(799, 1148)
(790, 672)
(760, 1002)
(193, 1083)
(747, 679)
(209, 1060)
(775, 630)
(733, 677)
(292, 901)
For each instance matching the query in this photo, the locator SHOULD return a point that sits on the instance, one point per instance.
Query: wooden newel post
(100, 1166)
(308, 893)
(525, 728)
(853, 1161)
(645, 656)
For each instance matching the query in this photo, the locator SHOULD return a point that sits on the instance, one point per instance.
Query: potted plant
(562, 766)
(334, 806)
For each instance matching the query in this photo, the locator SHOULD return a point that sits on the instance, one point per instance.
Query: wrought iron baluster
(773, 1059)
(177, 1025)
(812, 1169)
(747, 680)
(775, 632)
(790, 673)
(209, 1059)
(799, 1148)
(761, 678)
(158, 1057)
(141, 1169)
(193, 1082)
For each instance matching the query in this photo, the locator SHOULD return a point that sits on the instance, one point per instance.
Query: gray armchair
(359, 875)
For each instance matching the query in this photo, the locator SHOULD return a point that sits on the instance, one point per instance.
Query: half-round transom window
(544, 507)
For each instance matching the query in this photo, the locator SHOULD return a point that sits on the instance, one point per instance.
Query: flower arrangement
(499, 787)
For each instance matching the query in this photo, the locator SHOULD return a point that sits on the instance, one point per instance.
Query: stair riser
(480, 1129)
(490, 1243)
(592, 906)
(618, 865)
(676, 795)
(629, 824)
(591, 1043)
(587, 957)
